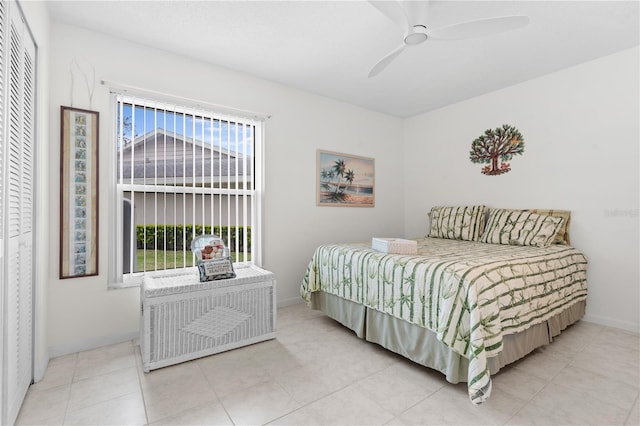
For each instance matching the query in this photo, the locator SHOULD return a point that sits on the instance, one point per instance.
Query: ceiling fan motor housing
(419, 35)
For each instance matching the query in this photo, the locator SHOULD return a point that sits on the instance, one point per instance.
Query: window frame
(116, 278)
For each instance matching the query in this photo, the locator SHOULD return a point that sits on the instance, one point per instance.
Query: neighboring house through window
(182, 172)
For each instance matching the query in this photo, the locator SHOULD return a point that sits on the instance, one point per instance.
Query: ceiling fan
(411, 17)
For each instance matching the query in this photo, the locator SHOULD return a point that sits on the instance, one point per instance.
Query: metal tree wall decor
(495, 148)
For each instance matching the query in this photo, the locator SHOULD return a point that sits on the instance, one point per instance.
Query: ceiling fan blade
(382, 63)
(479, 28)
(416, 11)
(394, 11)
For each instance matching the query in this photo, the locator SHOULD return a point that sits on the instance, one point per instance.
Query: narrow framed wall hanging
(78, 192)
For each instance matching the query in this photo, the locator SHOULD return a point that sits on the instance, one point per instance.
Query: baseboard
(92, 343)
(289, 302)
(612, 322)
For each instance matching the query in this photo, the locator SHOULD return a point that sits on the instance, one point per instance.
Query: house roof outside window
(163, 157)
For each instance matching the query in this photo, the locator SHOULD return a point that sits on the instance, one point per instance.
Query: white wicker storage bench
(184, 319)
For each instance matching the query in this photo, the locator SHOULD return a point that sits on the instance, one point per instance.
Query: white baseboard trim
(612, 322)
(92, 343)
(289, 302)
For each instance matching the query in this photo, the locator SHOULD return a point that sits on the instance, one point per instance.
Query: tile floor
(317, 372)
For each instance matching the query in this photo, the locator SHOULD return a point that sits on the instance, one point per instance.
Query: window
(181, 172)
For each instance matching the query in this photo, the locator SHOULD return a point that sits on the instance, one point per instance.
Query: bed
(472, 299)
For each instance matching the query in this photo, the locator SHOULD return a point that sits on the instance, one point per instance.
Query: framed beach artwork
(78, 192)
(344, 180)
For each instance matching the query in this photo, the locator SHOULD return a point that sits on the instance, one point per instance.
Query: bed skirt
(422, 346)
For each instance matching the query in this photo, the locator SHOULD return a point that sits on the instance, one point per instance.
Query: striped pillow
(457, 223)
(518, 227)
(562, 237)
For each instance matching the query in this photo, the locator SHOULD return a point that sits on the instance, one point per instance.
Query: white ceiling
(328, 47)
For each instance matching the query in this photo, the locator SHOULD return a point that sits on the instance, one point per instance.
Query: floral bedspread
(470, 294)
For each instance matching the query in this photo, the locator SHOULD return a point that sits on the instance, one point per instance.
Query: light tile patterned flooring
(318, 372)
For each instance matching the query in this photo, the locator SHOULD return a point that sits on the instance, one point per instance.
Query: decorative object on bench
(214, 262)
(184, 318)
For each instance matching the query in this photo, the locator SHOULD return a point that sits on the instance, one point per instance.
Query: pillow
(562, 237)
(519, 227)
(457, 223)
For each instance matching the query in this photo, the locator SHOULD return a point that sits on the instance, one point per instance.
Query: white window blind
(183, 172)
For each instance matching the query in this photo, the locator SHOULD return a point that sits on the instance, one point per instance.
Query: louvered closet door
(19, 165)
(3, 97)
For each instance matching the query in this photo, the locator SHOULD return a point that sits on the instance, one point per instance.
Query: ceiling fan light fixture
(419, 35)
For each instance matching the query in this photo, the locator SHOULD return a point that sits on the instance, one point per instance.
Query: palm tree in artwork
(348, 176)
(339, 168)
(327, 176)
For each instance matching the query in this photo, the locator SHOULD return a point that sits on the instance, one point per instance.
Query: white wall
(81, 312)
(581, 131)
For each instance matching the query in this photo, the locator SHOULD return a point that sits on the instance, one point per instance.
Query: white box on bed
(394, 245)
(184, 319)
